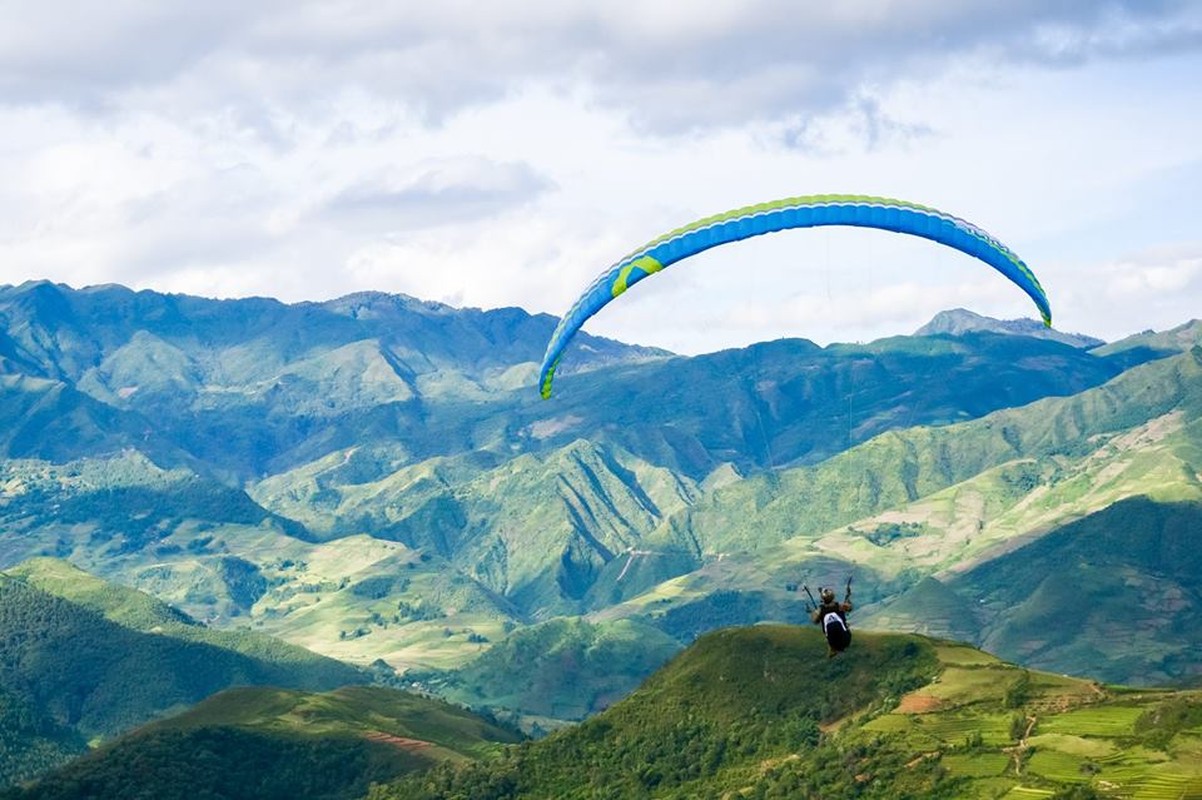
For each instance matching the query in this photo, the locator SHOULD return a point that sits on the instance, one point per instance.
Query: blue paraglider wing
(795, 212)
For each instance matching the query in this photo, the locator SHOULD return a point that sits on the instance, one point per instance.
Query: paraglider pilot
(831, 615)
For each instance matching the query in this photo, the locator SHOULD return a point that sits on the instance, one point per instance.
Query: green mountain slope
(761, 712)
(31, 743)
(123, 517)
(52, 420)
(271, 743)
(556, 671)
(1113, 595)
(539, 530)
(1160, 343)
(900, 467)
(292, 665)
(589, 525)
(69, 663)
(789, 402)
(362, 599)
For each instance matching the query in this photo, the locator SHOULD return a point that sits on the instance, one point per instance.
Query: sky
(505, 153)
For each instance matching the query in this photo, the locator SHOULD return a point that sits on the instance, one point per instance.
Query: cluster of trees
(784, 759)
(886, 532)
(135, 517)
(1158, 726)
(30, 742)
(225, 762)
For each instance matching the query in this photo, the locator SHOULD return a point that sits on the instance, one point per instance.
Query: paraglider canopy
(810, 211)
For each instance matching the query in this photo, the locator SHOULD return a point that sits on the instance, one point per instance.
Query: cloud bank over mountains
(502, 154)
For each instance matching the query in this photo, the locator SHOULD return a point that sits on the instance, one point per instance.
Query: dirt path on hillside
(1019, 750)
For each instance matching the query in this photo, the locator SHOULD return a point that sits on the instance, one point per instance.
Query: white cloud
(725, 61)
(503, 154)
(1157, 275)
(434, 196)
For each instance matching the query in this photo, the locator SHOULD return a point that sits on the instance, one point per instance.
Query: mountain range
(375, 479)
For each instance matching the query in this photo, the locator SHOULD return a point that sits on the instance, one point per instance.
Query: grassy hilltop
(256, 742)
(762, 712)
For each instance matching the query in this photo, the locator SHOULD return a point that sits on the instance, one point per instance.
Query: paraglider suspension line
(813, 602)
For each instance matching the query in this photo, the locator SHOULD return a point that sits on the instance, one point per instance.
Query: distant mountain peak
(959, 321)
(384, 302)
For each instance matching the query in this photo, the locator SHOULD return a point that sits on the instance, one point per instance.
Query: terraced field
(1014, 734)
